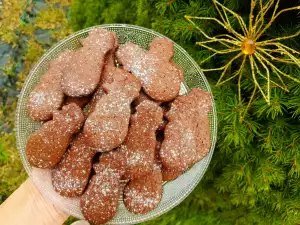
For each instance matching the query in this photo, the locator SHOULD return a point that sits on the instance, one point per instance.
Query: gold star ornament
(247, 45)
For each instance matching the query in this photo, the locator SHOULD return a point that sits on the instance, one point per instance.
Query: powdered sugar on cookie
(160, 78)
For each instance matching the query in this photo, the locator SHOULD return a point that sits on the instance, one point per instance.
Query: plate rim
(128, 26)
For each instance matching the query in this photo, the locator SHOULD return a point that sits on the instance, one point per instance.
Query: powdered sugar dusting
(144, 194)
(99, 203)
(71, 175)
(107, 126)
(160, 78)
(141, 139)
(187, 139)
(82, 73)
(46, 147)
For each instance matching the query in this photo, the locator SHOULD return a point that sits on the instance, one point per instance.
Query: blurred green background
(254, 174)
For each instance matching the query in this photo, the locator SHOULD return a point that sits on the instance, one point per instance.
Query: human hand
(27, 206)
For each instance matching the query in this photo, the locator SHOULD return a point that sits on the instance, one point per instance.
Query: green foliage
(88, 13)
(54, 18)
(33, 53)
(10, 176)
(60, 2)
(254, 174)
(70, 220)
(51, 18)
(18, 28)
(10, 13)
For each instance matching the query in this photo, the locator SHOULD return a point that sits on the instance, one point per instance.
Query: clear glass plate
(175, 191)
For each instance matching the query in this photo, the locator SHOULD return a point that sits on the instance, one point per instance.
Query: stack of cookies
(112, 115)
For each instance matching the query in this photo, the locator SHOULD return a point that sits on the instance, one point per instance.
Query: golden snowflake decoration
(248, 46)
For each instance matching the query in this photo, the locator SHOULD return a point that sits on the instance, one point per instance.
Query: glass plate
(175, 191)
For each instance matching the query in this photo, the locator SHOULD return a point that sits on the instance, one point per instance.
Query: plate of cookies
(116, 124)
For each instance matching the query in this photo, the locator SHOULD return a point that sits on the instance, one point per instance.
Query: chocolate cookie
(99, 93)
(80, 101)
(99, 203)
(107, 77)
(47, 95)
(104, 189)
(187, 136)
(82, 74)
(107, 125)
(107, 74)
(169, 174)
(160, 78)
(162, 47)
(179, 69)
(114, 160)
(70, 177)
(144, 194)
(46, 147)
(110, 57)
(141, 139)
(100, 41)
(142, 96)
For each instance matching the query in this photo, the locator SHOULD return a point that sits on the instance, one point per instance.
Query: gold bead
(248, 46)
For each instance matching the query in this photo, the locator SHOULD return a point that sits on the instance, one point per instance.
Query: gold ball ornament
(248, 46)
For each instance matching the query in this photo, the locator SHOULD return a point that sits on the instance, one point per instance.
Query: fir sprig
(247, 44)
